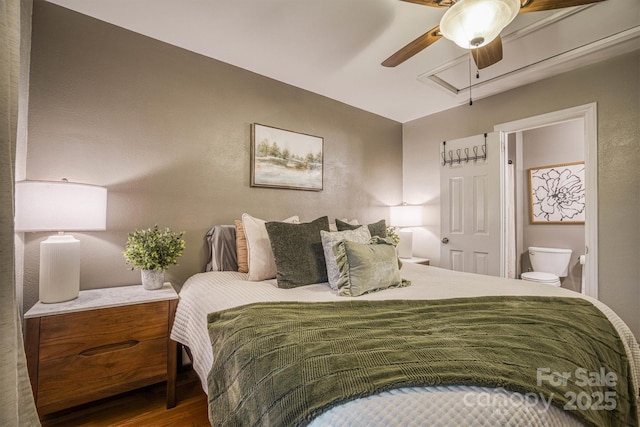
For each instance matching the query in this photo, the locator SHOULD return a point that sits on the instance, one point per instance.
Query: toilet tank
(550, 260)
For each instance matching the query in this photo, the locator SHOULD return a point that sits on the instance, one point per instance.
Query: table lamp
(405, 216)
(59, 206)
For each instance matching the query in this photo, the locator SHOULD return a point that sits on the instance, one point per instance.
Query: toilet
(549, 265)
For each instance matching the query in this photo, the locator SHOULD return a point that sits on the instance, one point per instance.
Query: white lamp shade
(405, 216)
(59, 206)
(475, 23)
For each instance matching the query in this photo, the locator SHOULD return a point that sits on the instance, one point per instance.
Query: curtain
(17, 406)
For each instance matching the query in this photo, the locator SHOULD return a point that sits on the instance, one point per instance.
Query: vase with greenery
(152, 251)
(393, 235)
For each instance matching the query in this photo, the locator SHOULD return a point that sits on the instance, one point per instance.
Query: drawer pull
(109, 347)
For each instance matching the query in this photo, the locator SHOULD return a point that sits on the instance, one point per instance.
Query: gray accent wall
(615, 86)
(167, 132)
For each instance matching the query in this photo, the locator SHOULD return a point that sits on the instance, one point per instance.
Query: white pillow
(330, 239)
(262, 265)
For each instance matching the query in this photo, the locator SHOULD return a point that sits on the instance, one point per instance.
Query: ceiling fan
(475, 25)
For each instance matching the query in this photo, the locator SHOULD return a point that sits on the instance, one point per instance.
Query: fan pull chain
(470, 97)
(477, 76)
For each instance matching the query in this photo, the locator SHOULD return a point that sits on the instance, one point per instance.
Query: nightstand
(105, 342)
(414, 260)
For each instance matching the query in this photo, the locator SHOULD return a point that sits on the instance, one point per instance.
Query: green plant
(391, 234)
(153, 248)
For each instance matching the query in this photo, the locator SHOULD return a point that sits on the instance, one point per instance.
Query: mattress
(452, 405)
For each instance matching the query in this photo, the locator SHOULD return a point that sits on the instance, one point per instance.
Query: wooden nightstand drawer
(80, 378)
(77, 333)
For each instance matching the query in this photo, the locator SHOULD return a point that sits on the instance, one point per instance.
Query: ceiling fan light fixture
(474, 23)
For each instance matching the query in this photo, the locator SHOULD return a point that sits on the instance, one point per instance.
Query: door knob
(445, 240)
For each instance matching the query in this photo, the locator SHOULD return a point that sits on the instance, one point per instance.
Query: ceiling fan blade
(539, 5)
(422, 42)
(488, 54)
(431, 3)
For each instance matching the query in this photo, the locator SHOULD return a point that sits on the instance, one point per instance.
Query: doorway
(586, 114)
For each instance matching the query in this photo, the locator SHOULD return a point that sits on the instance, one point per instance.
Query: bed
(213, 301)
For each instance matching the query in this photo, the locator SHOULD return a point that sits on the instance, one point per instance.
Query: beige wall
(167, 132)
(615, 86)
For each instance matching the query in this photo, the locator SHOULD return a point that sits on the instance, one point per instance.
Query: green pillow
(329, 240)
(297, 250)
(376, 229)
(367, 268)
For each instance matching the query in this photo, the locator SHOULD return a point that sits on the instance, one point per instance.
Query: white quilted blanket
(438, 406)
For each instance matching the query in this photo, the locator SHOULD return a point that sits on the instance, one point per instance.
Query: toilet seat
(540, 277)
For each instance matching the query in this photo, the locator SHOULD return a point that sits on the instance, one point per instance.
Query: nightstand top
(415, 260)
(92, 299)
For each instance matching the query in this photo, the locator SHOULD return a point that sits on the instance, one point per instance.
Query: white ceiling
(335, 47)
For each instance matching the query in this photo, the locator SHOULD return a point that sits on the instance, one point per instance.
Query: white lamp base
(59, 268)
(405, 247)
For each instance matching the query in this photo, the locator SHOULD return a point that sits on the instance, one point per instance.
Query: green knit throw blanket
(285, 363)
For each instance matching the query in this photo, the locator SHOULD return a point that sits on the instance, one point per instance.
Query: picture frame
(557, 194)
(285, 159)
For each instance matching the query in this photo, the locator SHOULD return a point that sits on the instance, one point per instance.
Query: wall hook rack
(479, 153)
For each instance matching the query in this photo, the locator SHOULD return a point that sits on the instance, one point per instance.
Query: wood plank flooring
(141, 408)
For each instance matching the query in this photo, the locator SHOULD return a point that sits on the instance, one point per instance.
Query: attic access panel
(542, 48)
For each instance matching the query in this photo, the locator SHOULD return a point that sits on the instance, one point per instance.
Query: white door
(470, 204)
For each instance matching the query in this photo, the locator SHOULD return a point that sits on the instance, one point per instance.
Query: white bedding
(208, 292)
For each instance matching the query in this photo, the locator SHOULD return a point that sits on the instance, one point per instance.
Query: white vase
(152, 279)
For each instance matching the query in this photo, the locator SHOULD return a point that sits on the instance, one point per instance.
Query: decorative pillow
(334, 227)
(367, 268)
(297, 249)
(222, 248)
(329, 240)
(376, 229)
(242, 253)
(260, 257)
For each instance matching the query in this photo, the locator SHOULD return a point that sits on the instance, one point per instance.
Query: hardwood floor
(141, 408)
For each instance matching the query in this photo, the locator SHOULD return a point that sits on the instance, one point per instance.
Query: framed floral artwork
(285, 159)
(557, 194)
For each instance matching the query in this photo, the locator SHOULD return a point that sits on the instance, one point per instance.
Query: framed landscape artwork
(285, 159)
(557, 194)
